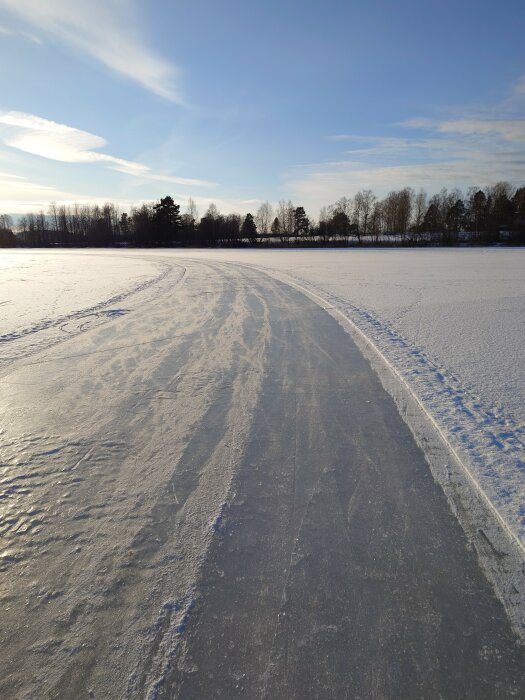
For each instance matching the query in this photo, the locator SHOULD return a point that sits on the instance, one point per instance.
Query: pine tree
(167, 221)
(249, 229)
(301, 222)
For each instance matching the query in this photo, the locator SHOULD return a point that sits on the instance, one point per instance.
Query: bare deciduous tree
(191, 211)
(363, 207)
(285, 214)
(263, 218)
(420, 207)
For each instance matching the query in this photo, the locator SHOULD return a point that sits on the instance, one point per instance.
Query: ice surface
(47, 295)
(93, 460)
(452, 322)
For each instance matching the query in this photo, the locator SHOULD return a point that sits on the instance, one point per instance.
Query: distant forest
(404, 217)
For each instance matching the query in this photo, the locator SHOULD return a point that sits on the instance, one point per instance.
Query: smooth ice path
(451, 323)
(213, 496)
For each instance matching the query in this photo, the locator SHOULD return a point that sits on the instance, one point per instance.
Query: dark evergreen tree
(518, 236)
(249, 229)
(431, 221)
(7, 238)
(166, 222)
(125, 228)
(519, 203)
(143, 225)
(502, 213)
(276, 227)
(301, 223)
(230, 229)
(455, 219)
(478, 212)
(339, 226)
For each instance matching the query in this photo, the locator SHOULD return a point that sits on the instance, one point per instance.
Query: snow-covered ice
(45, 296)
(88, 422)
(452, 323)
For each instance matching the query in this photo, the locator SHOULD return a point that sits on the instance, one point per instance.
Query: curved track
(213, 497)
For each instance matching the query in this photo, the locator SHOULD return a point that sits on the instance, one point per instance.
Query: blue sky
(238, 102)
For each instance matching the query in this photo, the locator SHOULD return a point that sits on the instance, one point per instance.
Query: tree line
(404, 217)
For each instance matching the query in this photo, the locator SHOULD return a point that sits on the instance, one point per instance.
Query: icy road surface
(210, 495)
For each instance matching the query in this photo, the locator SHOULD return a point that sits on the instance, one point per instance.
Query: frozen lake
(191, 448)
(452, 322)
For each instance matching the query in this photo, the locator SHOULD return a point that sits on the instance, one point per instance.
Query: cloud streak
(505, 129)
(106, 30)
(59, 142)
(478, 147)
(22, 196)
(25, 35)
(434, 154)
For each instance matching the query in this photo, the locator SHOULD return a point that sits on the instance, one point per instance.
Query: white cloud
(107, 30)
(21, 196)
(48, 139)
(10, 176)
(452, 153)
(506, 129)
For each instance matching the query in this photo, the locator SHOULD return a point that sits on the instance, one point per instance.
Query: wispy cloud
(25, 35)
(480, 145)
(431, 153)
(48, 139)
(22, 196)
(107, 30)
(506, 129)
(519, 88)
(10, 176)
